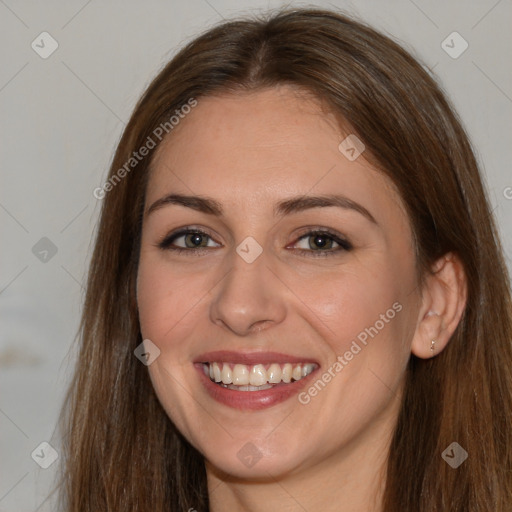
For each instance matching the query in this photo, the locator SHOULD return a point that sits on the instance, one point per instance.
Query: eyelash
(344, 245)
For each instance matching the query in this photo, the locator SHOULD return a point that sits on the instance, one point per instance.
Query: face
(277, 278)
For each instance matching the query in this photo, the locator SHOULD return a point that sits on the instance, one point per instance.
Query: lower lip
(253, 400)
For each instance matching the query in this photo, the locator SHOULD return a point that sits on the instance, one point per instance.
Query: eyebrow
(292, 205)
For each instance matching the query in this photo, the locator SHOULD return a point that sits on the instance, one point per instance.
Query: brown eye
(187, 239)
(322, 242)
(195, 240)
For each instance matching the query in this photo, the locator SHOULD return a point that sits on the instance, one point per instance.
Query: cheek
(167, 303)
(350, 300)
(165, 298)
(361, 315)
(163, 308)
(153, 300)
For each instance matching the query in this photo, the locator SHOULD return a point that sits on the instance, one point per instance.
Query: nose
(249, 299)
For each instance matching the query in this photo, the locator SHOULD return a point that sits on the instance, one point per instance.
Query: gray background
(61, 119)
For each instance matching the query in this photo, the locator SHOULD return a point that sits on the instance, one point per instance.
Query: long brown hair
(122, 453)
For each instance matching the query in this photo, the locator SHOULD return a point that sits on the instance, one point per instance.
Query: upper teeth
(258, 374)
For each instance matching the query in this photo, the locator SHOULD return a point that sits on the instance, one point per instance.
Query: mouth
(258, 377)
(253, 381)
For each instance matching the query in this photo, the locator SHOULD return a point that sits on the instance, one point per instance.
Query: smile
(258, 377)
(253, 381)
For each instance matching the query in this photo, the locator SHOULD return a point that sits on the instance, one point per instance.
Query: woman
(297, 298)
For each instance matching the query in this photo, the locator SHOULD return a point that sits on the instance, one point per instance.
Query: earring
(432, 346)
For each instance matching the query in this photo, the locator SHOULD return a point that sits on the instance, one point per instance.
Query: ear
(443, 301)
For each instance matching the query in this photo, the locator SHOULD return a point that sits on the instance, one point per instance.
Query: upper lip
(251, 358)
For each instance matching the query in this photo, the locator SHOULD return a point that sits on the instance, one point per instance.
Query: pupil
(320, 241)
(196, 239)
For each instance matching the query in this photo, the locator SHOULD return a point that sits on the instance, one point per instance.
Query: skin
(248, 152)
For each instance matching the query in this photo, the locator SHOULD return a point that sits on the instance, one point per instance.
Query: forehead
(260, 147)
